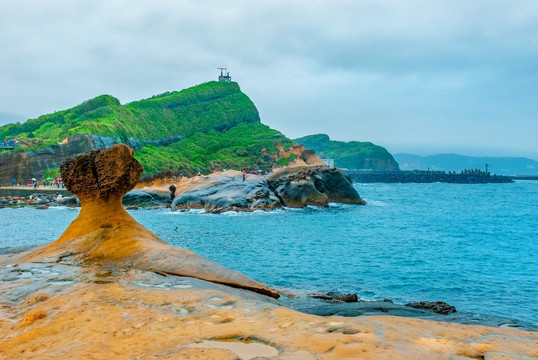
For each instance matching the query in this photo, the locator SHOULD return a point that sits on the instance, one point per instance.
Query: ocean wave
(375, 203)
(186, 212)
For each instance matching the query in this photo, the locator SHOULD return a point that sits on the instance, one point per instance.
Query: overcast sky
(419, 76)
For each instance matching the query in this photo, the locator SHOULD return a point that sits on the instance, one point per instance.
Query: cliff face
(33, 164)
(350, 155)
(210, 126)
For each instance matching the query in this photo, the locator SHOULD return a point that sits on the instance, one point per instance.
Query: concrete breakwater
(464, 177)
(23, 191)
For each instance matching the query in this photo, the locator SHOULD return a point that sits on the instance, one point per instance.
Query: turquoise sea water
(473, 246)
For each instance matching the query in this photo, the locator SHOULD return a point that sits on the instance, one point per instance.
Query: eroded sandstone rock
(104, 234)
(102, 173)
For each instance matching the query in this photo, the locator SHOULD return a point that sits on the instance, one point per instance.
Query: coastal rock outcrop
(229, 190)
(291, 187)
(313, 185)
(438, 307)
(110, 289)
(104, 234)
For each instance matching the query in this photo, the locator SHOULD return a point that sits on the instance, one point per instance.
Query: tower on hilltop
(224, 75)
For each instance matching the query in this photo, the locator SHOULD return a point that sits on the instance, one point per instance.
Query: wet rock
(42, 198)
(334, 296)
(327, 308)
(145, 198)
(317, 185)
(343, 297)
(438, 307)
(67, 201)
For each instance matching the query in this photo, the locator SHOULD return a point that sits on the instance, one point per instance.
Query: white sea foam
(376, 203)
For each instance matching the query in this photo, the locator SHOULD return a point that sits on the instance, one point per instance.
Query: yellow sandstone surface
(110, 289)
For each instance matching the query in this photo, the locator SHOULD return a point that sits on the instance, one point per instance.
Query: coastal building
(224, 75)
(328, 162)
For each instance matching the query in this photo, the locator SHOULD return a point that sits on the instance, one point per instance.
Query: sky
(415, 76)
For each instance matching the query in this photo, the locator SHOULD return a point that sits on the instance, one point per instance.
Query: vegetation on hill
(219, 125)
(245, 146)
(350, 155)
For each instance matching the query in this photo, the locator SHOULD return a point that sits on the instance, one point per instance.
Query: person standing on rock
(172, 190)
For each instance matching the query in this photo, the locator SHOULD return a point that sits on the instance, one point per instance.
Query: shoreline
(61, 310)
(108, 287)
(314, 304)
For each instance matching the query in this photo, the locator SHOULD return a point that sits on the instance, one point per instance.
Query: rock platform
(110, 289)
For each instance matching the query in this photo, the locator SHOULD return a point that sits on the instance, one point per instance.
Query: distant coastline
(417, 176)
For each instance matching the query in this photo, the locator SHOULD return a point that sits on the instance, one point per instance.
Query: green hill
(209, 126)
(350, 155)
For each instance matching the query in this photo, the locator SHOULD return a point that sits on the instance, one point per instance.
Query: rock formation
(438, 307)
(290, 187)
(230, 190)
(318, 185)
(235, 191)
(110, 289)
(105, 234)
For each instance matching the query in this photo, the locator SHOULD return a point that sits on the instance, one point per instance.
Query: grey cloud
(386, 70)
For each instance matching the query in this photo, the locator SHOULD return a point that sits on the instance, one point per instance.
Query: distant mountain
(6, 118)
(208, 127)
(455, 162)
(350, 155)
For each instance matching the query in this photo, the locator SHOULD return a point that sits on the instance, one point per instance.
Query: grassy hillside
(350, 155)
(219, 124)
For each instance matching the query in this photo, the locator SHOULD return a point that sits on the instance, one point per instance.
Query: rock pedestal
(104, 234)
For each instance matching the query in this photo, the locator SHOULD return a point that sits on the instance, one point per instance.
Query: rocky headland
(231, 190)
(352, 154)
(208, 127)
(110, 288)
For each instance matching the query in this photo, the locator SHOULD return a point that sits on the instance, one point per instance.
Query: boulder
(140, 197)
(229, 190)
(438, 307)
(335, 296)
(313, 185)
(67, 201)
(41, 198)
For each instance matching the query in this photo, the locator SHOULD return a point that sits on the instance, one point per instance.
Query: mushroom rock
(104, 234)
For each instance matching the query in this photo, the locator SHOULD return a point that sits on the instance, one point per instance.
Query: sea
(472, 246)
